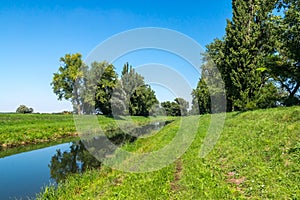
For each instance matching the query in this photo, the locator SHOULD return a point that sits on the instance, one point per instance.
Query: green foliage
(66, 82)
(241, 54)
(97, 88)
(179, 107)
(142, 100)
(209, 96)
(24, 109)
(201, 98)
(101, 81)
(183, 106)
(171, 108)
(133, 94)
(284, 63)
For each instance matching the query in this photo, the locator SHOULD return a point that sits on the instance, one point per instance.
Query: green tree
(183, 105)
(139, 97)
(142, 100)
(24, 109)
(118, 100)
(201, 98)
(179, 107)
(209, 96)
(242, 52)
(130, 80)
(66, 83)
(101, 80)
(284, 62)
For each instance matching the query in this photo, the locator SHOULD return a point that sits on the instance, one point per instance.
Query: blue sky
(35, 34)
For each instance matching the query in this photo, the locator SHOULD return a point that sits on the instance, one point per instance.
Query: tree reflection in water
(76, 160)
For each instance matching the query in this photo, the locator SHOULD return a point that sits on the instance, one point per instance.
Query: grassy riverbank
(23, 129)
(256, 157)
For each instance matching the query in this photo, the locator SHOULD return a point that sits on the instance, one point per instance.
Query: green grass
(24, 129)
(21, 129)
(256, 157)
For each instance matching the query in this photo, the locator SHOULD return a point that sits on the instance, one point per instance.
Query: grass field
(21, 129)
(24, 129)
(256, 157)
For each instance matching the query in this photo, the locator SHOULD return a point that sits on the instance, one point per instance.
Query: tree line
(257, 62)
(258, 58)
(98, 89)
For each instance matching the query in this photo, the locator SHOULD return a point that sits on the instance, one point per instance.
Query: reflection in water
(78, 158)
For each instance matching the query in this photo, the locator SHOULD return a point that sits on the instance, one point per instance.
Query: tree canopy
(24, 109)
(66, 82)
(259, 52)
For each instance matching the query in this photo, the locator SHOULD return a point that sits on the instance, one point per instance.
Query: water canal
(24, 172)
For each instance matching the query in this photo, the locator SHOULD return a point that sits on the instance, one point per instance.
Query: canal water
(24, 174)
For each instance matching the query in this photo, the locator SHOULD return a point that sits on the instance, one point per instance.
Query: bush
(24, 109)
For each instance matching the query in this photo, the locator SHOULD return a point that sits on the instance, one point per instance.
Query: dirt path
(177, 175)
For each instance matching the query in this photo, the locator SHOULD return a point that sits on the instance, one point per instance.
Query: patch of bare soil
(177, 175)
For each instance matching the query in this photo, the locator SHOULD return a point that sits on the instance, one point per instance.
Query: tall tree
(201, 98)
(138, 96)
(242, 52)
(118, 100)
(67, 81)
(130, 80)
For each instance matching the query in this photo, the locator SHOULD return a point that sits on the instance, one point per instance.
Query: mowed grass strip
(256, 157)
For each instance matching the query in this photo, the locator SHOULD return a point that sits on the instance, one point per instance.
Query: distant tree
(24, 109)
(142, 100)
(130, 80)
(118, 100)
(183, 104)
(156, 110)
(179, 107)
(67, 81)
(201, 99)
(138, 97)
(209, 95)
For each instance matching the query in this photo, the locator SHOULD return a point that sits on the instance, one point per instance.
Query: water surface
(24, 174)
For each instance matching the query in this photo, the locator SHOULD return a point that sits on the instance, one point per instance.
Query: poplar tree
(242, 51)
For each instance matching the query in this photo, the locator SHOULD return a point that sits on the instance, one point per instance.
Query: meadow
(32, 129)
(256, 157)
(24, 129)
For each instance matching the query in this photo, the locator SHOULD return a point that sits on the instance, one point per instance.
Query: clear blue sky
(35, 34)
